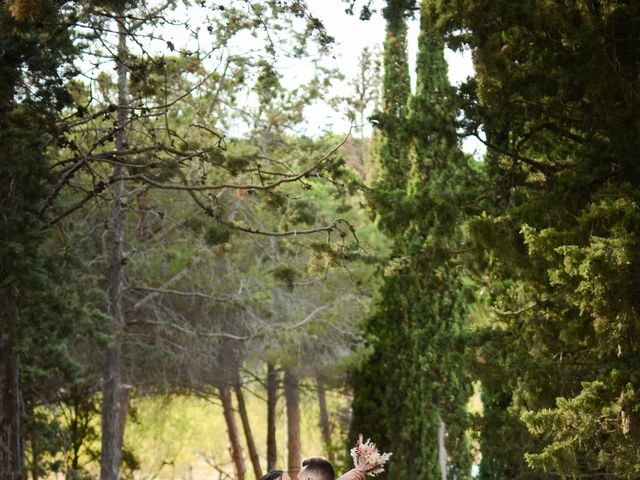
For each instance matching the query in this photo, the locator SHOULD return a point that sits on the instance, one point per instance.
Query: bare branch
(156, 292)
(269, 186)
(183, 293)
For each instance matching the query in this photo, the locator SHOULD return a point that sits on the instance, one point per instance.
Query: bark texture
(112, 376)
(272, 403)
(442, 450)
(292, 397)
(11, 461)
(125, 400)
(246, 425)
(232, 431)
(325, 425)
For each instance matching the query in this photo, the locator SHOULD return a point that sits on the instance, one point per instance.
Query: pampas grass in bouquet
(367, 458)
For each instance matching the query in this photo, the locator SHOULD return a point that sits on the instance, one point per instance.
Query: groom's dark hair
(320, 467)
(272, 475)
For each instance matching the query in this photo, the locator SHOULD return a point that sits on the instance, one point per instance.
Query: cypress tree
(371, 403)
(392, 146)
(414, 381)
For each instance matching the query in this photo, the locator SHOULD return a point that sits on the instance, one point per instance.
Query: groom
(318, 468)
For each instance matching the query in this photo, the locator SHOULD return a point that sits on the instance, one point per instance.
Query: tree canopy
(170, 231)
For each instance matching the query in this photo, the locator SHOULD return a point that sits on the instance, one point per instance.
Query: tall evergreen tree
(392, 150)
(557, 97)
(31, 94)
(413, 385)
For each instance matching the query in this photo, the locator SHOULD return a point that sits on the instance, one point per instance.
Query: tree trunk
(112, 394)
(272, 402)
(292, 397)
(232, 430)
(125, 399)
(35, 458)
(11, 462)
(442, 450)
(325, 426)
(244, 416)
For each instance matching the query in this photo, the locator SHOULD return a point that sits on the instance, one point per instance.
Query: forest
(203, 274)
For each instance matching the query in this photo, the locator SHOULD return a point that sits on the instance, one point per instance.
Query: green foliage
(285, 274)
(217, 234)
(574, 429)
(388, 194)
(555, 350)
(36, 275)
(519, 272)
(415, 376)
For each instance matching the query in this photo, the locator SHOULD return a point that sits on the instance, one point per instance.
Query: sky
(352, 35)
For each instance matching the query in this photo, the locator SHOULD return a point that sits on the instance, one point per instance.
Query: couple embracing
(316, 468)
